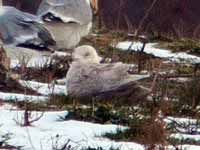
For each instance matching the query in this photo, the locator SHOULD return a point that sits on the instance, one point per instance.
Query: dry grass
(186, 45)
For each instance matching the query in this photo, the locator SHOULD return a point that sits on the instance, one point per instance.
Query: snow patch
(21, 97)
(45, 132)
(44, 88)
(3, 10)
(161, 53)
(36, 62)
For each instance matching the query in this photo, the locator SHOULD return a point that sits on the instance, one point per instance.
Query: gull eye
(87, 54)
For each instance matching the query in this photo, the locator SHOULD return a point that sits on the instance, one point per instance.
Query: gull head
(86, 53)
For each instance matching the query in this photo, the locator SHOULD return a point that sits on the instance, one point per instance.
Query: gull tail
(136, 77)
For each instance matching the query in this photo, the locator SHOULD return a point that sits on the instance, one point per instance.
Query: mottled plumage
(87, 76)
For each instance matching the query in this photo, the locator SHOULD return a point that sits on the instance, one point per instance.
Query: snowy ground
(21, 97)
(42, 134)
(50, 131)
(161, 53)
(45, 88)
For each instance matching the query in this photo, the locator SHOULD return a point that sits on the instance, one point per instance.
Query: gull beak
(94, 4)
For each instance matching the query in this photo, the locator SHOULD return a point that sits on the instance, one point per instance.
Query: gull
(88, 77)
(68, 20)
(22, 29)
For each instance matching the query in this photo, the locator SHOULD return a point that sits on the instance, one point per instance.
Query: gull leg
(74, 103)
(93, 106)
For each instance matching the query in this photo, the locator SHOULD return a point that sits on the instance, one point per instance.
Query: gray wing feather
(17, 27)
(87, 79)
(14, 23)
(110, 76)
(81, 81)
(67, 10)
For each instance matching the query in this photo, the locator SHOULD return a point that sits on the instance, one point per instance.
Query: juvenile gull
(88, 77)
(68, 20)
(23, 29)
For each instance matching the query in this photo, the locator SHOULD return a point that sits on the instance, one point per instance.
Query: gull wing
(18, 28)
(78, 11)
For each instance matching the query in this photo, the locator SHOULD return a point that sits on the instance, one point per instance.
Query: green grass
(103, 114)
(133, 133)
